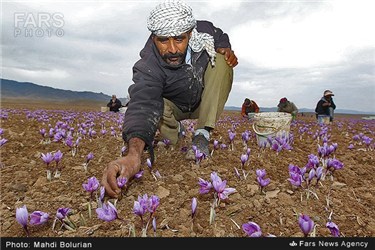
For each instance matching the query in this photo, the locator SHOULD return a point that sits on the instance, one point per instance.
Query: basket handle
(257, 132)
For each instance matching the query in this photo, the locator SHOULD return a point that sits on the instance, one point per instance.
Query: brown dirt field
(349, 195)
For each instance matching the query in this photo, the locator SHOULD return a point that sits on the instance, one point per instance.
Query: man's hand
(229, 56)
(126, 167)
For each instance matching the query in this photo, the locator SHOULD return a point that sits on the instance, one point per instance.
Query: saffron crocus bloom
(121, 181)
(248, 150)
(102, 193)
(149, 164)
(89, 157)
(38, 217)
(220, 186)
(252, 229)
(319, 172)
(311, 174)
(334, 163)
(138, 208)
(153, 203)
(139, 174)
(193, 206)
(205, 186)
(244, 158)
(263, 182)
(107, 212)
(3, 141)
(58, 156)
(62, 212)
(306, 224)
(22, 216)
(91, 185)
(295, 179)
(231, 136)
(260, 172)
(333, 228)
(216, 144)
(294, 169)
(47, 158)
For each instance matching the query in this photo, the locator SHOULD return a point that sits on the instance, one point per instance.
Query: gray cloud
(102, 41)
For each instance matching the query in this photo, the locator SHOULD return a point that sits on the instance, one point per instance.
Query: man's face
(172, 49)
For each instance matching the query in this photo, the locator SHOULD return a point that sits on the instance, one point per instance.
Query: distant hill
(30, 91)
(26, 90)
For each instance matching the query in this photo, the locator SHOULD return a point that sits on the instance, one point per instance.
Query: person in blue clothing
(185, 72)
(325, 107)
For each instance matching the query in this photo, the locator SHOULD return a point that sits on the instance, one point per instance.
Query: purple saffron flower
(216, 144)
(89, 157)
(58, 156)
(231, 136)
(149, 164)
(42, 132)
(319, 172)
(62, 212)
(333, 228)
(139, 174)
(38, 217)
(260, 172)
(306, 224)
(153, 203)
(252, 229)
(107, 212)
(294, 169)
(248, 150)
(244, 158)
(102, 193)
(3, 141)
(138, 208)
(121, 181)
(205, 186)
(123, 149)
(91, 185)
(22, 216)
(263, 182)
(311, 174)
(220, 186)
(295, 179)
(47, 158)
(351, 146)
(69, 142)
(193, 206)
(334, 163)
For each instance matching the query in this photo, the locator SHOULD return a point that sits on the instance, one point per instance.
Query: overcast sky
(294, 49)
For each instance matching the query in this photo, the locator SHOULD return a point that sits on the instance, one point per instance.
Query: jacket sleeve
(221, 38)
(118, 103)
(145, 107)
(243, 110)
(256, 107)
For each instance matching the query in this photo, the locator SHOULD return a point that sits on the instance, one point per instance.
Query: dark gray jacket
(154, 80)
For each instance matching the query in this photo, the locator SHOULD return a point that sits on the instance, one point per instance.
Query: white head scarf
(174, 17)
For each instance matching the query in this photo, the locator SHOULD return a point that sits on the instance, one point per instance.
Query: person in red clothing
(249, 107)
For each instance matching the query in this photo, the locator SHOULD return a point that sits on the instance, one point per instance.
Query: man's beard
(174, 59)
